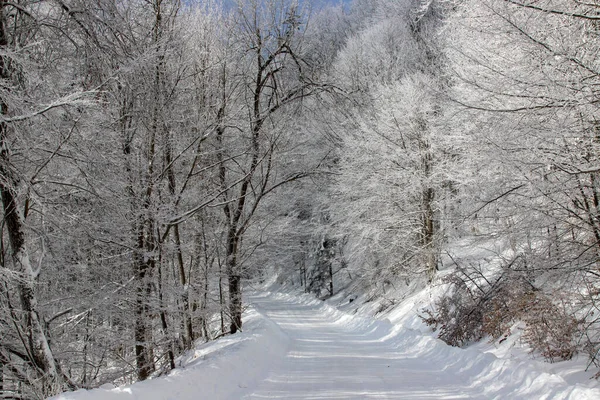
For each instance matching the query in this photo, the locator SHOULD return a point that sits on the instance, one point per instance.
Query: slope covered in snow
(296, 347)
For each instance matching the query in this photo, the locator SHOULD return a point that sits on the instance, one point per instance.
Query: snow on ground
(297, 347)
(222, 369)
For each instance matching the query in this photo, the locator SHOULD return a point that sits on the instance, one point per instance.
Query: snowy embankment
(296, 347)
(222, 369)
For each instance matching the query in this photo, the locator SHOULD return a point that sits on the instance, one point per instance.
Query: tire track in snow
(332, 356)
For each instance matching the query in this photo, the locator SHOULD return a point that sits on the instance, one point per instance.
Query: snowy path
(296, 347)
(330, 359)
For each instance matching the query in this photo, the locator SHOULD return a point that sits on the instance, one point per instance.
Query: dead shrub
(477, 307)
(549, 330)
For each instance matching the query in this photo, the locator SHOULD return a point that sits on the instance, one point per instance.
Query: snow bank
(481, 373)
(223, 369)
(498, 370)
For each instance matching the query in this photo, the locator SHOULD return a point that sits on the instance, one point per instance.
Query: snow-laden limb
(80, 98)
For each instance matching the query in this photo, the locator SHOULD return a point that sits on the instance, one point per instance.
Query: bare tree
(274, 77)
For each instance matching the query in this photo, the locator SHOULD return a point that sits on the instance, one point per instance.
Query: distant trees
(394, 166)
(540, 102)
(543, 103)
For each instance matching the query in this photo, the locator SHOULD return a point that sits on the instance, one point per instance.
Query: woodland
(159, 156)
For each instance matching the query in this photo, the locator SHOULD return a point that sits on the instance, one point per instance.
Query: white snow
(297, 347)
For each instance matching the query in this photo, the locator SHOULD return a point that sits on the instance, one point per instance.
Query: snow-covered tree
(397, 159)
(524, 74)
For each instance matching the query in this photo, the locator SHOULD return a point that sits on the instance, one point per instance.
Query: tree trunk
(142, 359)
(188, 339)
(330, 278)
(143, 264)
(427, 203)
(163, 318)
(221, 299)
(428, 233)
(204, 307)
(235, 287)
(38, 343)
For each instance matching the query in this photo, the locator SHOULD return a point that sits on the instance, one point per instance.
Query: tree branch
(556, 12)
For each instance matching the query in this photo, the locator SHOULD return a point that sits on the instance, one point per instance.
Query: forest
(157, 157)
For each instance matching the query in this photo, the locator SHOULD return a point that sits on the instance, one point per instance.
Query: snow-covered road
(333, 358)
(297, 347)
